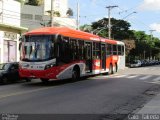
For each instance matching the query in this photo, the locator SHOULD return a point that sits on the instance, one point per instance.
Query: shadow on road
(52, 82)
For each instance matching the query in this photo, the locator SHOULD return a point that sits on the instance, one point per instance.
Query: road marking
(120, 76)
(156, 79)
(146, 77)
(22, 93)
(133, 76)
(154, 82)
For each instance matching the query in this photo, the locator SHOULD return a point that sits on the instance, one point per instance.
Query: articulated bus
(64, 53)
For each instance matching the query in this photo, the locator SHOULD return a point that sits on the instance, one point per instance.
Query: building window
(27, 16)
(38, 17)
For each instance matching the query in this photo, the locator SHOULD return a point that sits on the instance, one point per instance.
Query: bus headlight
(49, 65)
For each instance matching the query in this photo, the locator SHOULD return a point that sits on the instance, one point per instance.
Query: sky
(146, 18)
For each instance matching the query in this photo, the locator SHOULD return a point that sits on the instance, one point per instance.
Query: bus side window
(119, 50)
(114, 49)
(109, 49)
(80, 49)
(74, 44)
(96, 50)
(65, 50)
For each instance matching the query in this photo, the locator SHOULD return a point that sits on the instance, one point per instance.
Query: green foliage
(21, 1)
(55, 13)
(69, 12)
(119, 30)
(86, 28)
(147, 46)
(139, 45)
(33, 2)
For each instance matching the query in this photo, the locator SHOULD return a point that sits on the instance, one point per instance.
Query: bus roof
(68, 32)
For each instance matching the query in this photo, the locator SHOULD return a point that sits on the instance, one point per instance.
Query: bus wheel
(76, 73)
(44, 80)
(110, 69)
(28, 79)
(116, 68)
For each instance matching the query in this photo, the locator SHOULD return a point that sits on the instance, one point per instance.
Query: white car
(136, 63)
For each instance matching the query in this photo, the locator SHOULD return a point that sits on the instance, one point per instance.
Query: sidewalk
(152, 107)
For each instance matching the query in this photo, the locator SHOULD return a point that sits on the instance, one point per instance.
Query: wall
(31, 16)
(58, 5)
(9, 17)
(29, 13)
(10, 12)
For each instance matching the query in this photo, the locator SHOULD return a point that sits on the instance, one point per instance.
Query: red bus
(62, 53)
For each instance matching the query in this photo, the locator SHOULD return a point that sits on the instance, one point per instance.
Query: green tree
(55, 13)
(33, 2)
(119, 30)
(138, 44)
(69, 12)
(86, 28)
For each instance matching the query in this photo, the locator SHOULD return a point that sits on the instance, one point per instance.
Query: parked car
(9, 72)
(135, 63)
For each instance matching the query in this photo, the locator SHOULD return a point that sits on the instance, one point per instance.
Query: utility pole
(109, 20)
(77, 15)
(52, 12)
(151, 33)
(2, 10)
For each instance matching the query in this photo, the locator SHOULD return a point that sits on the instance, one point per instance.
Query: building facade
(58, 5)
(34, 17)
(10, 30)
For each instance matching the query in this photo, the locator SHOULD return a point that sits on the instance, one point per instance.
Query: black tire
(28, 79)
(44, 80)
(110, 69)
(4, 80)
(76, 73)
(116, 69)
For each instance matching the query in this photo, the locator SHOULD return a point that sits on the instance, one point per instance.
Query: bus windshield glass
(37, 48)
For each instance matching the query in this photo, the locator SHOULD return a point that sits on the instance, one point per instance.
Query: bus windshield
(37, 48)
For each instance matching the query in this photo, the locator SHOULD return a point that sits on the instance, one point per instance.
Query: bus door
(88, 56)
(103, 56)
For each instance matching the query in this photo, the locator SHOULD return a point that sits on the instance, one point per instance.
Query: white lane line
(133, 76)
(156, 79)
(145, 77)
(120, 76)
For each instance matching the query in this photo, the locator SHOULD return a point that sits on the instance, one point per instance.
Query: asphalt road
(121, 93)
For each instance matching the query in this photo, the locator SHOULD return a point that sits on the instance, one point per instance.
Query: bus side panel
(66, 73)
(108, 62)
(48, 74)
(121, 62)
(96, 66)
(112, 60)
(56, 72)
